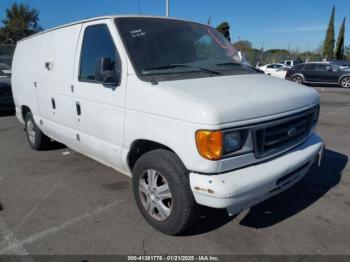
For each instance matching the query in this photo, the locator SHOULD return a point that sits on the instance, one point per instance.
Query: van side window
(97, 43)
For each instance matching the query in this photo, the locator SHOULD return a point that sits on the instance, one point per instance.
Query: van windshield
(166, 49)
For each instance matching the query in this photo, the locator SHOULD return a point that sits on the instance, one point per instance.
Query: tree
(243, 45)
(328, 45)
(276, 55)
(21, 21)
(253, 56)
(339, 50)
(224, 29)
(310, 56)
(347, 53)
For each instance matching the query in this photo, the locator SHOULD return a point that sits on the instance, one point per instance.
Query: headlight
(213, 145)
(232, 142)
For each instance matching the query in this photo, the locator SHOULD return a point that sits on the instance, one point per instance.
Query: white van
(167, 102)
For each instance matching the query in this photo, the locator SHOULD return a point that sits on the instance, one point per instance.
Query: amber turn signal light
(209, 144)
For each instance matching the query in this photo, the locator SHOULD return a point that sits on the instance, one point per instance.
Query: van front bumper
(243, 188)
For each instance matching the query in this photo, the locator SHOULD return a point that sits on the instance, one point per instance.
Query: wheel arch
(24, 110)
(341, 78)
(142, 146)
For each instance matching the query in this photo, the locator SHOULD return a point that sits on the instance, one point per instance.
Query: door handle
(78, 108)
(49, 65)
(53, 103)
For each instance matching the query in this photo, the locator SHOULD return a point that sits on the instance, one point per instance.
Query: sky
(294, 24)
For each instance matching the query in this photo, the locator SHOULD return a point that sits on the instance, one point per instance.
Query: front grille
(276, 136)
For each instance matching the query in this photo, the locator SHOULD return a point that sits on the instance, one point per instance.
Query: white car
(270, 67)
(291, 63)
(179, 114)
(5, 70)
(280, 72)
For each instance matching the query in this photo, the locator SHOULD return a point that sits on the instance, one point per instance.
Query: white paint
(268, 68)
(279, 73)
(245, 187)
(18, 245)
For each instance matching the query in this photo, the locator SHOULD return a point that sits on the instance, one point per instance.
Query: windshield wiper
(228, 64)
(170, 66)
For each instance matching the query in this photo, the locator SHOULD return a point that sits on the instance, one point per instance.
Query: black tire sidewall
(38, 133)
(168, 165)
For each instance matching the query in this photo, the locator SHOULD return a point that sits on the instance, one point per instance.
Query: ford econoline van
(168, 103)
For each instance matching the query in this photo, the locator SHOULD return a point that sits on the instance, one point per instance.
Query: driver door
(99, 108)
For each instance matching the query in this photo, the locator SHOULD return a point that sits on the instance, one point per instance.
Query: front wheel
(162, 192)
(345, 82)
(297, 79)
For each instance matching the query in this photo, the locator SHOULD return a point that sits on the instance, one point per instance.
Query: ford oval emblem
(292, 132)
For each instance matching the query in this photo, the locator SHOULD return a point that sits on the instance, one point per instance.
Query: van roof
(95, 19)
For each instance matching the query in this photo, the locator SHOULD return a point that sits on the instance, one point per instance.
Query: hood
(227, 99)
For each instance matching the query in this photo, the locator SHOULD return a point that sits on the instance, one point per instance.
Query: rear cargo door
(55, 88)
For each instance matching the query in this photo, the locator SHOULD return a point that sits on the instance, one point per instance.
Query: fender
(341, 77)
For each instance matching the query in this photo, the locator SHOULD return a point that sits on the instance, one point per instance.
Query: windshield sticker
(137, 33)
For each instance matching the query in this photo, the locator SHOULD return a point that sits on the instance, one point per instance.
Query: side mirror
(105, 72)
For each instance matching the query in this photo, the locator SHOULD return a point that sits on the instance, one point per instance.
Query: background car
(322, 73)
(290, 63)
(270, 67)
(343, 64)
(280, 72)
(5, 70)
(6, 99)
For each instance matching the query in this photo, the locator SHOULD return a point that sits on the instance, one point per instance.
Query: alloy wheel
(297, 79)
(345, 82)
(31, 131)
(155, 195)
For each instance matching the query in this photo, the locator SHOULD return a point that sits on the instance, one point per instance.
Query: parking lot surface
(61, 202)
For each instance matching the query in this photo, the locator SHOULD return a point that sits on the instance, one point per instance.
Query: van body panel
(100, 123)
(55, 77)
(24, 74)
(228, 99)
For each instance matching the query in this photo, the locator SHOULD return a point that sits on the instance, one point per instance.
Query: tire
(177, 207)
(345, 82)
(36, 139)
(298, 79)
